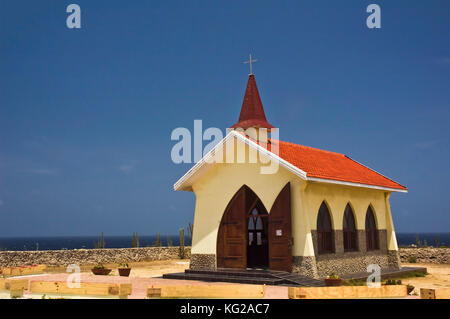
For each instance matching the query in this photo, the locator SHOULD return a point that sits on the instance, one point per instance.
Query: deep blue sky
(86, 115)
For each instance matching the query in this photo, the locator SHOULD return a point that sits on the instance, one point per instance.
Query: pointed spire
(252, 111)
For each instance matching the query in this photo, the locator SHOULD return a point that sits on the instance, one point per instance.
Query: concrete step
(222, 278)
(233, 273)
(249, 276)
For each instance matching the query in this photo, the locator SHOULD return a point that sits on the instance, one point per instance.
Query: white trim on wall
(332, 181)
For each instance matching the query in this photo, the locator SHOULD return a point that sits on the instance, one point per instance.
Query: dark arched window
(371, 230)
(349, 230)
(324, 230)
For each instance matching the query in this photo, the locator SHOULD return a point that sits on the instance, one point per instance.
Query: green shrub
(392, 282)
(354, 282)
(332, 276)
(99, 266)
(412, 259)
(419, 274)
(413, 274)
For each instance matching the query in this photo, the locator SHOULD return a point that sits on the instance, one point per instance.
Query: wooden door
(280, 234)
(232, 236)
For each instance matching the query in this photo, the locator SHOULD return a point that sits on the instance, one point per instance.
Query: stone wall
(89, 256)
(324, 264)
(426, 255)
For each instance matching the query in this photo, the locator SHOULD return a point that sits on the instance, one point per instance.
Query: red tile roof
(330, 165)
(314, 162)
(252, 111)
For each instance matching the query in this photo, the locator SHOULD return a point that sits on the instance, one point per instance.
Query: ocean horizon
(83, 242)
(88, 242)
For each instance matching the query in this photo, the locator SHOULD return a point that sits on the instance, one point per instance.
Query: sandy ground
(143, 275)
(146, 274)
(139, 269)
(438, 277)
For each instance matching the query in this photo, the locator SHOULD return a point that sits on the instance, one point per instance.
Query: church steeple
(252, 111)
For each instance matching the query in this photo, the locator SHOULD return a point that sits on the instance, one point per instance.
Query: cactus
(190, 231)
(135, 240)
(181, 248)
(158, 241)
(101, 243)
(418, 243)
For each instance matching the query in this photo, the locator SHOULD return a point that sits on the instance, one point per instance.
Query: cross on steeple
(250, 62)
(252, 111)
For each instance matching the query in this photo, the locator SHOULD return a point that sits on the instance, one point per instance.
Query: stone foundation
(341, 262)
(338, 242)
(361, 241)
(382, 240)
(89, 256)
(394, 259)
(350, 262)
(203, 262)
(305, 266)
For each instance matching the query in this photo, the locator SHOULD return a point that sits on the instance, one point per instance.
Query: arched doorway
(249, 237)
(257, 234)
(242, 240)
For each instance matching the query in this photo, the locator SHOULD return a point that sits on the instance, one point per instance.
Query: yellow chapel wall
(337, 197)
(215, 189)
